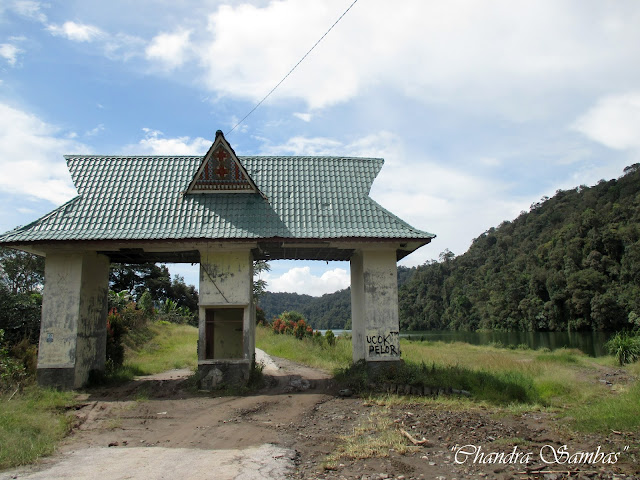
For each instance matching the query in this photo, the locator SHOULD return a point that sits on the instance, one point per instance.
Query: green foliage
(330, 337)
(115, 331)
(259, 285)
(625, 347)
(155, 279)
(20, 315)
(146, 304)
(256, 379)
(12, 371)
(123, 320)
(261, 319)
(291, 323)
(21, 272)
(571, 263)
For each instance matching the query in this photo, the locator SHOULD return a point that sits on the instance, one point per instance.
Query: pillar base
(61, 378)
(214, 374)
(375, 368)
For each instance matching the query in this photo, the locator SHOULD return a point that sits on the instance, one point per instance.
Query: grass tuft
(376, 437)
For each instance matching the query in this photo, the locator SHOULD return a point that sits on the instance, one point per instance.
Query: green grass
(493, 387)
(31, 424)
(620, 412)
(560, 378)
(305, 351)
(169, 346)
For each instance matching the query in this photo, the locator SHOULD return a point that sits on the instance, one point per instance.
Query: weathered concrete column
(73, 333)
(374, 306)
(226, 342)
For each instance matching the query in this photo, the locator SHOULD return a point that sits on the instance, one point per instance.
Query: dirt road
(159, 428)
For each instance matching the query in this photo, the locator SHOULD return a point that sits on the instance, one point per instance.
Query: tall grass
(619, 412)
(307, 350)
(31, 423)
(560, 378)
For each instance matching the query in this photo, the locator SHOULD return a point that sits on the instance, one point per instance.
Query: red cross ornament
(221, 171)
(221, 154)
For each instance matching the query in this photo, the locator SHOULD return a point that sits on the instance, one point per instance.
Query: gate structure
(223, 212)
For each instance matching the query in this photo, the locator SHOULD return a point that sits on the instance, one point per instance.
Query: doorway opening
(224, 333)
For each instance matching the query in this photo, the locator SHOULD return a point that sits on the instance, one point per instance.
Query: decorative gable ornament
(221, 171)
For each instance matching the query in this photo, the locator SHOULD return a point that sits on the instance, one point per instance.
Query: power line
(291, 71)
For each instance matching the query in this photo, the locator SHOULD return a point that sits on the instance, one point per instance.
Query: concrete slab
(158, 463)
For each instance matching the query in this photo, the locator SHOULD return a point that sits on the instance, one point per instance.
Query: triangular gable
(221, 171)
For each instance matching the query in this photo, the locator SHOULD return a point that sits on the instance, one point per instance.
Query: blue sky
(479, 108)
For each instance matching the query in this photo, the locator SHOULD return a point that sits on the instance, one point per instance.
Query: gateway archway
(221, 211)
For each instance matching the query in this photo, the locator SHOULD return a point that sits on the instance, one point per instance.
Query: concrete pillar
(357, 307)
(374, 306)
(226, 342)
(73, 332)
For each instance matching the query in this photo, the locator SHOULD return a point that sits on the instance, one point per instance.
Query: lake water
(591, 343)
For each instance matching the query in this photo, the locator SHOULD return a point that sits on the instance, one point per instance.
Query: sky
(478, 108)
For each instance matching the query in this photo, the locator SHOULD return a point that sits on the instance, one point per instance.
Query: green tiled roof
(143, 198)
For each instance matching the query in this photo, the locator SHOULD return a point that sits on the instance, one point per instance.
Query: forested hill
(329, 311)
(571, 263)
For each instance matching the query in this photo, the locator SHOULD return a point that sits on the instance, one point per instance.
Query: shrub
(292, 323)
(625, 347)
(261, 319)
(146, 304)
(116, 329)
(330, 338)
(19, 315)
(12, 371)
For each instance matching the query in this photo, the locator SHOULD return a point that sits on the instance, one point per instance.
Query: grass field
(566, 381)
(169, 346)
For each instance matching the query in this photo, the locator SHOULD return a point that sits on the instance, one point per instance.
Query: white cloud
(613, 121)
(380, 145)
(301, 280)
(305, 117)
(29, 9)
(170, 49)
(10, 53)
(31, 157)
(122, 46)
(154, 143)
(119, 46)
(504, 55)
(95, 131)
(76, 32)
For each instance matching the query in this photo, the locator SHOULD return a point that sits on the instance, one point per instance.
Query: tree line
(571, 263)
(330, 311)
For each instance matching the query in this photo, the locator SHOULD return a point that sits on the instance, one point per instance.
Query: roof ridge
(287, 157)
